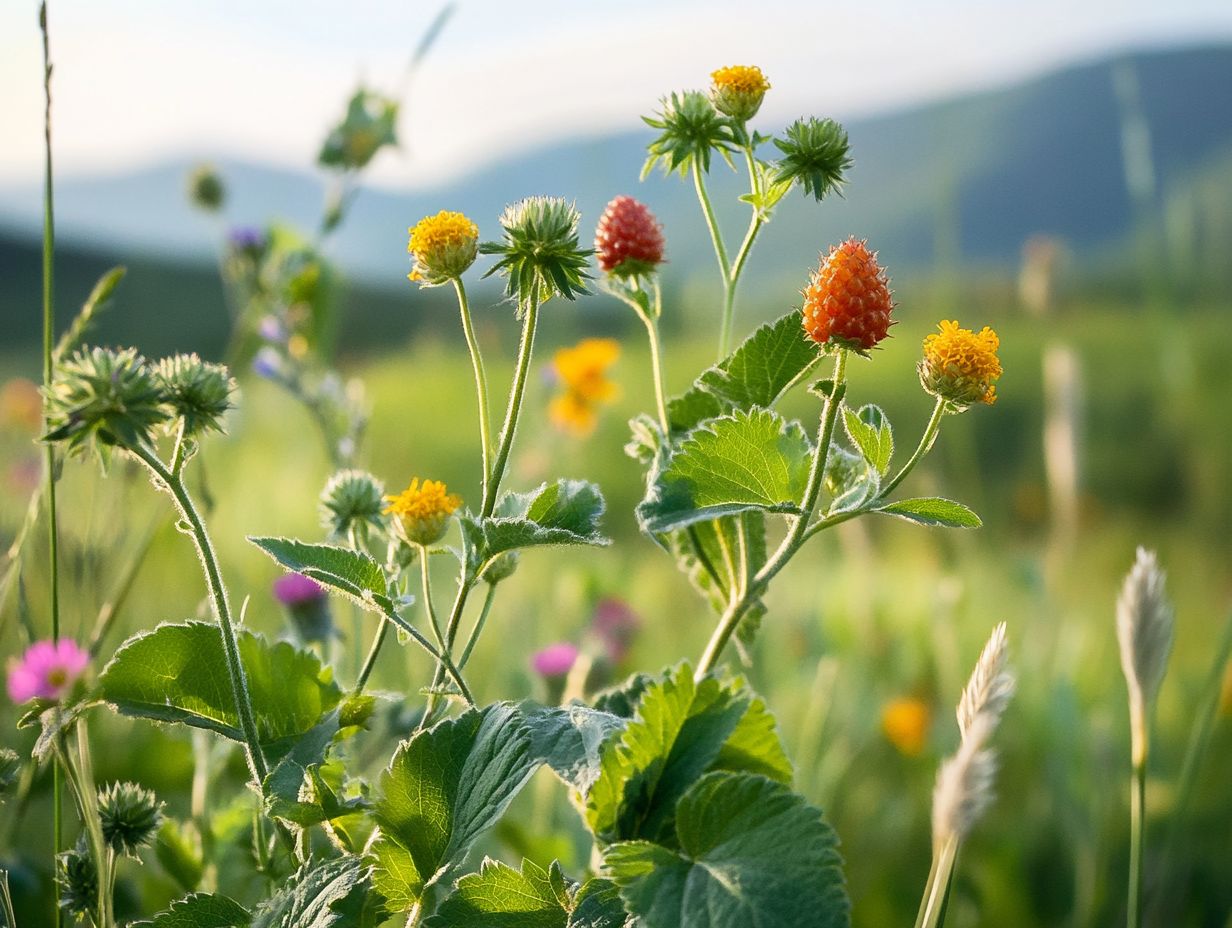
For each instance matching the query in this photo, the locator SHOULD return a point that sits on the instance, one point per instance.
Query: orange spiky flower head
(847, 303)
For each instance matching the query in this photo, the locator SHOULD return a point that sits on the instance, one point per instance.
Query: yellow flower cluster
(905, 722)
(738, 90)
(582, 373)
(422, 510)
(443, 246)
(960, 365)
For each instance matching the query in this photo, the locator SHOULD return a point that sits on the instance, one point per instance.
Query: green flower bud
(691, 129)
(815, 155)
(130, 815)
(352, 499)
(206, 189)
(77, 878)
(540, 256)
(197, 392)
(501, 568)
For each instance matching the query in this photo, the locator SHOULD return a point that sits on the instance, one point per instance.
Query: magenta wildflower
(296, 589)
(46, 670)
(616, 626)
(556, 660)
(307, 606)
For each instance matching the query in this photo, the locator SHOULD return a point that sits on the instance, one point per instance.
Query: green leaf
(566, 512)
(319, 895)
(932, 510)
(700, 552)
(569, 739)
(178, 849)
(499, 896)
(597, 905)
(749, 460)
(443, 788)
(200, 910)
(870, 431)
(354, 574)
(764, 367)
(621, 700)
(751, 852)
(178, 673)
(681, 730)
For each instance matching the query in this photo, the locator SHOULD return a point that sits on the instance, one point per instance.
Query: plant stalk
(481, 382)
(1137, 815)
(516, 394)
(932, 907)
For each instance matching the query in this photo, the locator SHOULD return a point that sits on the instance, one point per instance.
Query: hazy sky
(136, 82)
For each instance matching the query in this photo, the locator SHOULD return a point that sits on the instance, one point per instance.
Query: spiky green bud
(130, 815)
(539, 255)
(691, 129)
(106, 397)
(197, 391)
(352, 500)
(815, 156)
(77, 878)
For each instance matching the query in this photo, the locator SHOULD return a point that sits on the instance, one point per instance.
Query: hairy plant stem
(937, 890)
(477, 630)
(1137, 812)
(79, 773)
(481, 382)
(53, 546)
(796, 534)
(174, 484)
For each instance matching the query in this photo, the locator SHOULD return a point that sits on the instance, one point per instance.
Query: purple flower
(556, 660)
(616, 625)
(271, 329)
(46, 670)
(296, 589)
(246, 238)
(268, 364)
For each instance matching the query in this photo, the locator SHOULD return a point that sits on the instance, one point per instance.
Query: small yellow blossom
(737, 91)
(582, 373)
(961, 366)
(905, 722)
(21, 405)
(443, 247)
(422, 510)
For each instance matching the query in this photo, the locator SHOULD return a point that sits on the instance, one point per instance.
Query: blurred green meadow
(873, 612)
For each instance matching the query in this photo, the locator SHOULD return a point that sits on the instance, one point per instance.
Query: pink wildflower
(46, 670)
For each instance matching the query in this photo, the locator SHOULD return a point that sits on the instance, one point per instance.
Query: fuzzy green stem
(926, 443)
(80, 778)
(222, 610)
(425, 574)
(1137, 812)
(481, 382)
(373, 653)
(720, 254)
(516, 392)
(478, 629)
(6, 898)
(796, 534)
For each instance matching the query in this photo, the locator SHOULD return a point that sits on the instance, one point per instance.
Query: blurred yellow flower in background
(21, 404)
(582, 373)
(905, 722)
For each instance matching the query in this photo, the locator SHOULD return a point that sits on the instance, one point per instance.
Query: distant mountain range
(963, 181)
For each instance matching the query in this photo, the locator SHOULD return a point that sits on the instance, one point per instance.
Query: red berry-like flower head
(848, 302)
(628, 239)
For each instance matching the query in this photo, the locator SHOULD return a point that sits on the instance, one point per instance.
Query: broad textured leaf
(200, 910)
(569, 739)
(754, 747)
(177, 673)
(681, 730)
(597, 904)
(318, 895)
(751, 853)
(767, 364)
(284, 787)
(444, 787)
(354, 574)
(566, 512)
(745, 461)
(932, 510)
(621, 700)
(871, 433)
(499, 896)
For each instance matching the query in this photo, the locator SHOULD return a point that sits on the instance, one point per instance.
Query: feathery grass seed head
(990, 687)
(964, 788)
(1144, 629)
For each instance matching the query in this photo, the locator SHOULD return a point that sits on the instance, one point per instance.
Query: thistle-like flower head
(737, 91)
(690, 130)
(961, 366)
(77, 878)
(443, 247)
(352, 500)
(104, 397)
(628, 239)
(206, 189)
(848, 302)
(421, 512)
(815, 155)
(197, 391)
(539, 254)
(130, 815)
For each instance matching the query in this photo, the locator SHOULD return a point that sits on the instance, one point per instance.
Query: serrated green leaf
(178, 673)
(761, 369)
(702, 554)
(932, 510)
(354, 574)
(597, 904)
(621, 700)
(200, 910)
(315, 896)
(871, 433)
(751, 852)
(749, 460)
(566, 512)
(284, 785)
(680, 731)
(443, 788)
(499, 896)
(569, 739)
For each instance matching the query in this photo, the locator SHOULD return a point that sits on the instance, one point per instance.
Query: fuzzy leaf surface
(749, 460)
(932, 510)
(321, 894)
(178, 673)
(569, 739)
(354, 574)
(200, 910)
(751, 853)
(444, 787)
(871, 433)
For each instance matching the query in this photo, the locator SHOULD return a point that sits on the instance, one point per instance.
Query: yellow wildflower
(443, 247)
(737, 91)
(582, 373)
(21, 404)
(905, 722)
(961, 366)
(422, 510)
